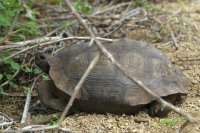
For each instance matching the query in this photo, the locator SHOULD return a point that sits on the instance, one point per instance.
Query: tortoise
(106, 89)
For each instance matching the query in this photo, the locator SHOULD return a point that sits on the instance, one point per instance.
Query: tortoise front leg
(47, 92)
(156, 109)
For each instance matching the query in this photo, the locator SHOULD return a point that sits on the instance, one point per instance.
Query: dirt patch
(13, 106)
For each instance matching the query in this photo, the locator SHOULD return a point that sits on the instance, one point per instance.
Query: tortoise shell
(106, 85)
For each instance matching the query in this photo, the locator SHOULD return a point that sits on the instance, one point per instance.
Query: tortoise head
(41, 60)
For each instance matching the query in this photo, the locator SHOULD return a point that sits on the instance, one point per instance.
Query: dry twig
(28, 99)
(112, 8)
(46, 39)
(6, 124)
(6, 116)
(7, 120)
(195, 58)
(17, 94)
(50, 42)
(29, 42)
(174, 40)
(33, 128)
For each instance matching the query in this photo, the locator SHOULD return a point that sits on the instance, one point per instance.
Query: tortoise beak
(41, 60)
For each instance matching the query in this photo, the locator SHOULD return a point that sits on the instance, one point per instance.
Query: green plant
(45, 77)
(8, 10)
(32, 70)
(168, 122)
(54, 120)
(10, 67)
(121, 124)
(146, 5)
(83, 6)
(49, 1)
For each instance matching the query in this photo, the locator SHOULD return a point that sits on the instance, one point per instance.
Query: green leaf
(54, 119)
(54, 116)
(1, 90)
(9, 76)
(121, 124)
(27, 69)
(4, 54)
(13, 85)
(37, 71)
(32, 23)
(18, 36)
(1, 7)
(8, 61)
(83, 6)
(3, 22)
(26, 89)
(52, 123)
(1, 39)
(1, 76)
(45, 77)
(15, 65)
(168, 122)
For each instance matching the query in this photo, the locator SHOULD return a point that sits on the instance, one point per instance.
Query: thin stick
(183, 126)
(6, 124)
(48, 43)
(78, 86)
(46, 39)
(7, 121)
(195, 58)
(6, 116)
(17, 94)
(116, 29)
(112, 8)
(124, 71)
(38, 128)
(174, 40)
(28, 99)
(29, 42)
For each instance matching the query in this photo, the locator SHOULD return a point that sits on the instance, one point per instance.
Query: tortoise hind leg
(47, 92)
(156, 109)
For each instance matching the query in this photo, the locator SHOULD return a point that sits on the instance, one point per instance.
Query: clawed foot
(156, 109)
